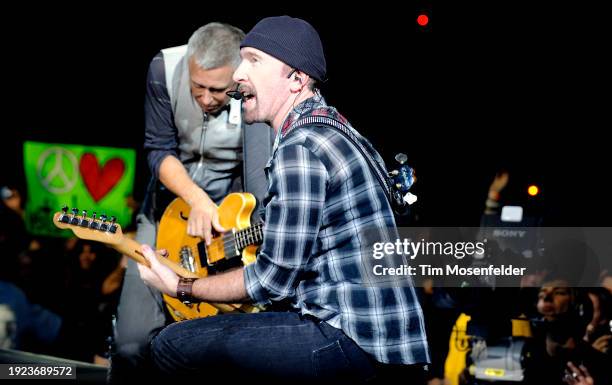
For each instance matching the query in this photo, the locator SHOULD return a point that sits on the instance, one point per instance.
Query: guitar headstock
(403, 178)
(93, 228)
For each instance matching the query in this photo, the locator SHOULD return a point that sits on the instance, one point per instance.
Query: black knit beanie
(290, 40)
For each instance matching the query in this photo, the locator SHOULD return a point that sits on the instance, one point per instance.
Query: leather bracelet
(183, 290)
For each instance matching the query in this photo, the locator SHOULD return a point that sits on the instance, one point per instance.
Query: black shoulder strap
(377, 168)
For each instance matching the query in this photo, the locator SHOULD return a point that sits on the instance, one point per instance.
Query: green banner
(89, 178)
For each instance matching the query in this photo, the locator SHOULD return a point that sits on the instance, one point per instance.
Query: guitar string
(250, 235)
(245, 238)
(240, 237)
(242, 234)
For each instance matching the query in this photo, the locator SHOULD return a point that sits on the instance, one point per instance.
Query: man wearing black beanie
(322, 193)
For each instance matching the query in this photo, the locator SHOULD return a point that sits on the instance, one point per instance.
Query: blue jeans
(263, 346)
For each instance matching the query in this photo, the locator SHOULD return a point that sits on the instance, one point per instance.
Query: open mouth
(247, 93)
(247, 96)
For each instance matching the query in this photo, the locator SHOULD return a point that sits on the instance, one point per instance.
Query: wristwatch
(183, 290)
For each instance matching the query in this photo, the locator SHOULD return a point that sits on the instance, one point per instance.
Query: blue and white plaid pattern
(321, 194)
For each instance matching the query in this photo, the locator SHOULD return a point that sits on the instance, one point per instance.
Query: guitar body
(234, 213)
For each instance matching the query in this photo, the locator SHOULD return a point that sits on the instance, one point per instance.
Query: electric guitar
(187, 256)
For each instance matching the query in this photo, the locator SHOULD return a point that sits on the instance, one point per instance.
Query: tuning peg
(94, 224)
(84, 221)
(112, 226)
(103, 225)
(73, 219)
(401, 158)
(64, 218)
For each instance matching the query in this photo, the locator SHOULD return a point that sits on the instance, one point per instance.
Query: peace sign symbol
(52, 172)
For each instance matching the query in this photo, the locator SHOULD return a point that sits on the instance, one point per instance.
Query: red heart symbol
(100, 181)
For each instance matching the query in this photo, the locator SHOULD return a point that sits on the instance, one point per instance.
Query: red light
(422, 20)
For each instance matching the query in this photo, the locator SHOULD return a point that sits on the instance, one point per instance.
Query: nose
(240, 73)
(548, 298)
(205, 97)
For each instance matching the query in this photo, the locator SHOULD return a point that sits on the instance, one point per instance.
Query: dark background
(482, 87)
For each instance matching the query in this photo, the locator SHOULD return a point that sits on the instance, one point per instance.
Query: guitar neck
(252, 235)
(231, 244)
(131, 248)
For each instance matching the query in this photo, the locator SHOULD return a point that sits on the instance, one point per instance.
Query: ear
(298, 80)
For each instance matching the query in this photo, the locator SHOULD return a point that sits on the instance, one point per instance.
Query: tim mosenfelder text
(458, 250)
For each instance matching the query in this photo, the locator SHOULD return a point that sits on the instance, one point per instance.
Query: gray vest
(211, 147)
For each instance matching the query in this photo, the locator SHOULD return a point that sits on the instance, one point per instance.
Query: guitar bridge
(187, 259)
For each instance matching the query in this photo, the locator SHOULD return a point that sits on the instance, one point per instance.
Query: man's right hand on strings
(203, 217)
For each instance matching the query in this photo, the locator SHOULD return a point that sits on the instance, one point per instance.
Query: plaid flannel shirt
(321, 193)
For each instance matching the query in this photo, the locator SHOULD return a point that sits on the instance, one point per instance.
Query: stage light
(422, 20)
(533, 190)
